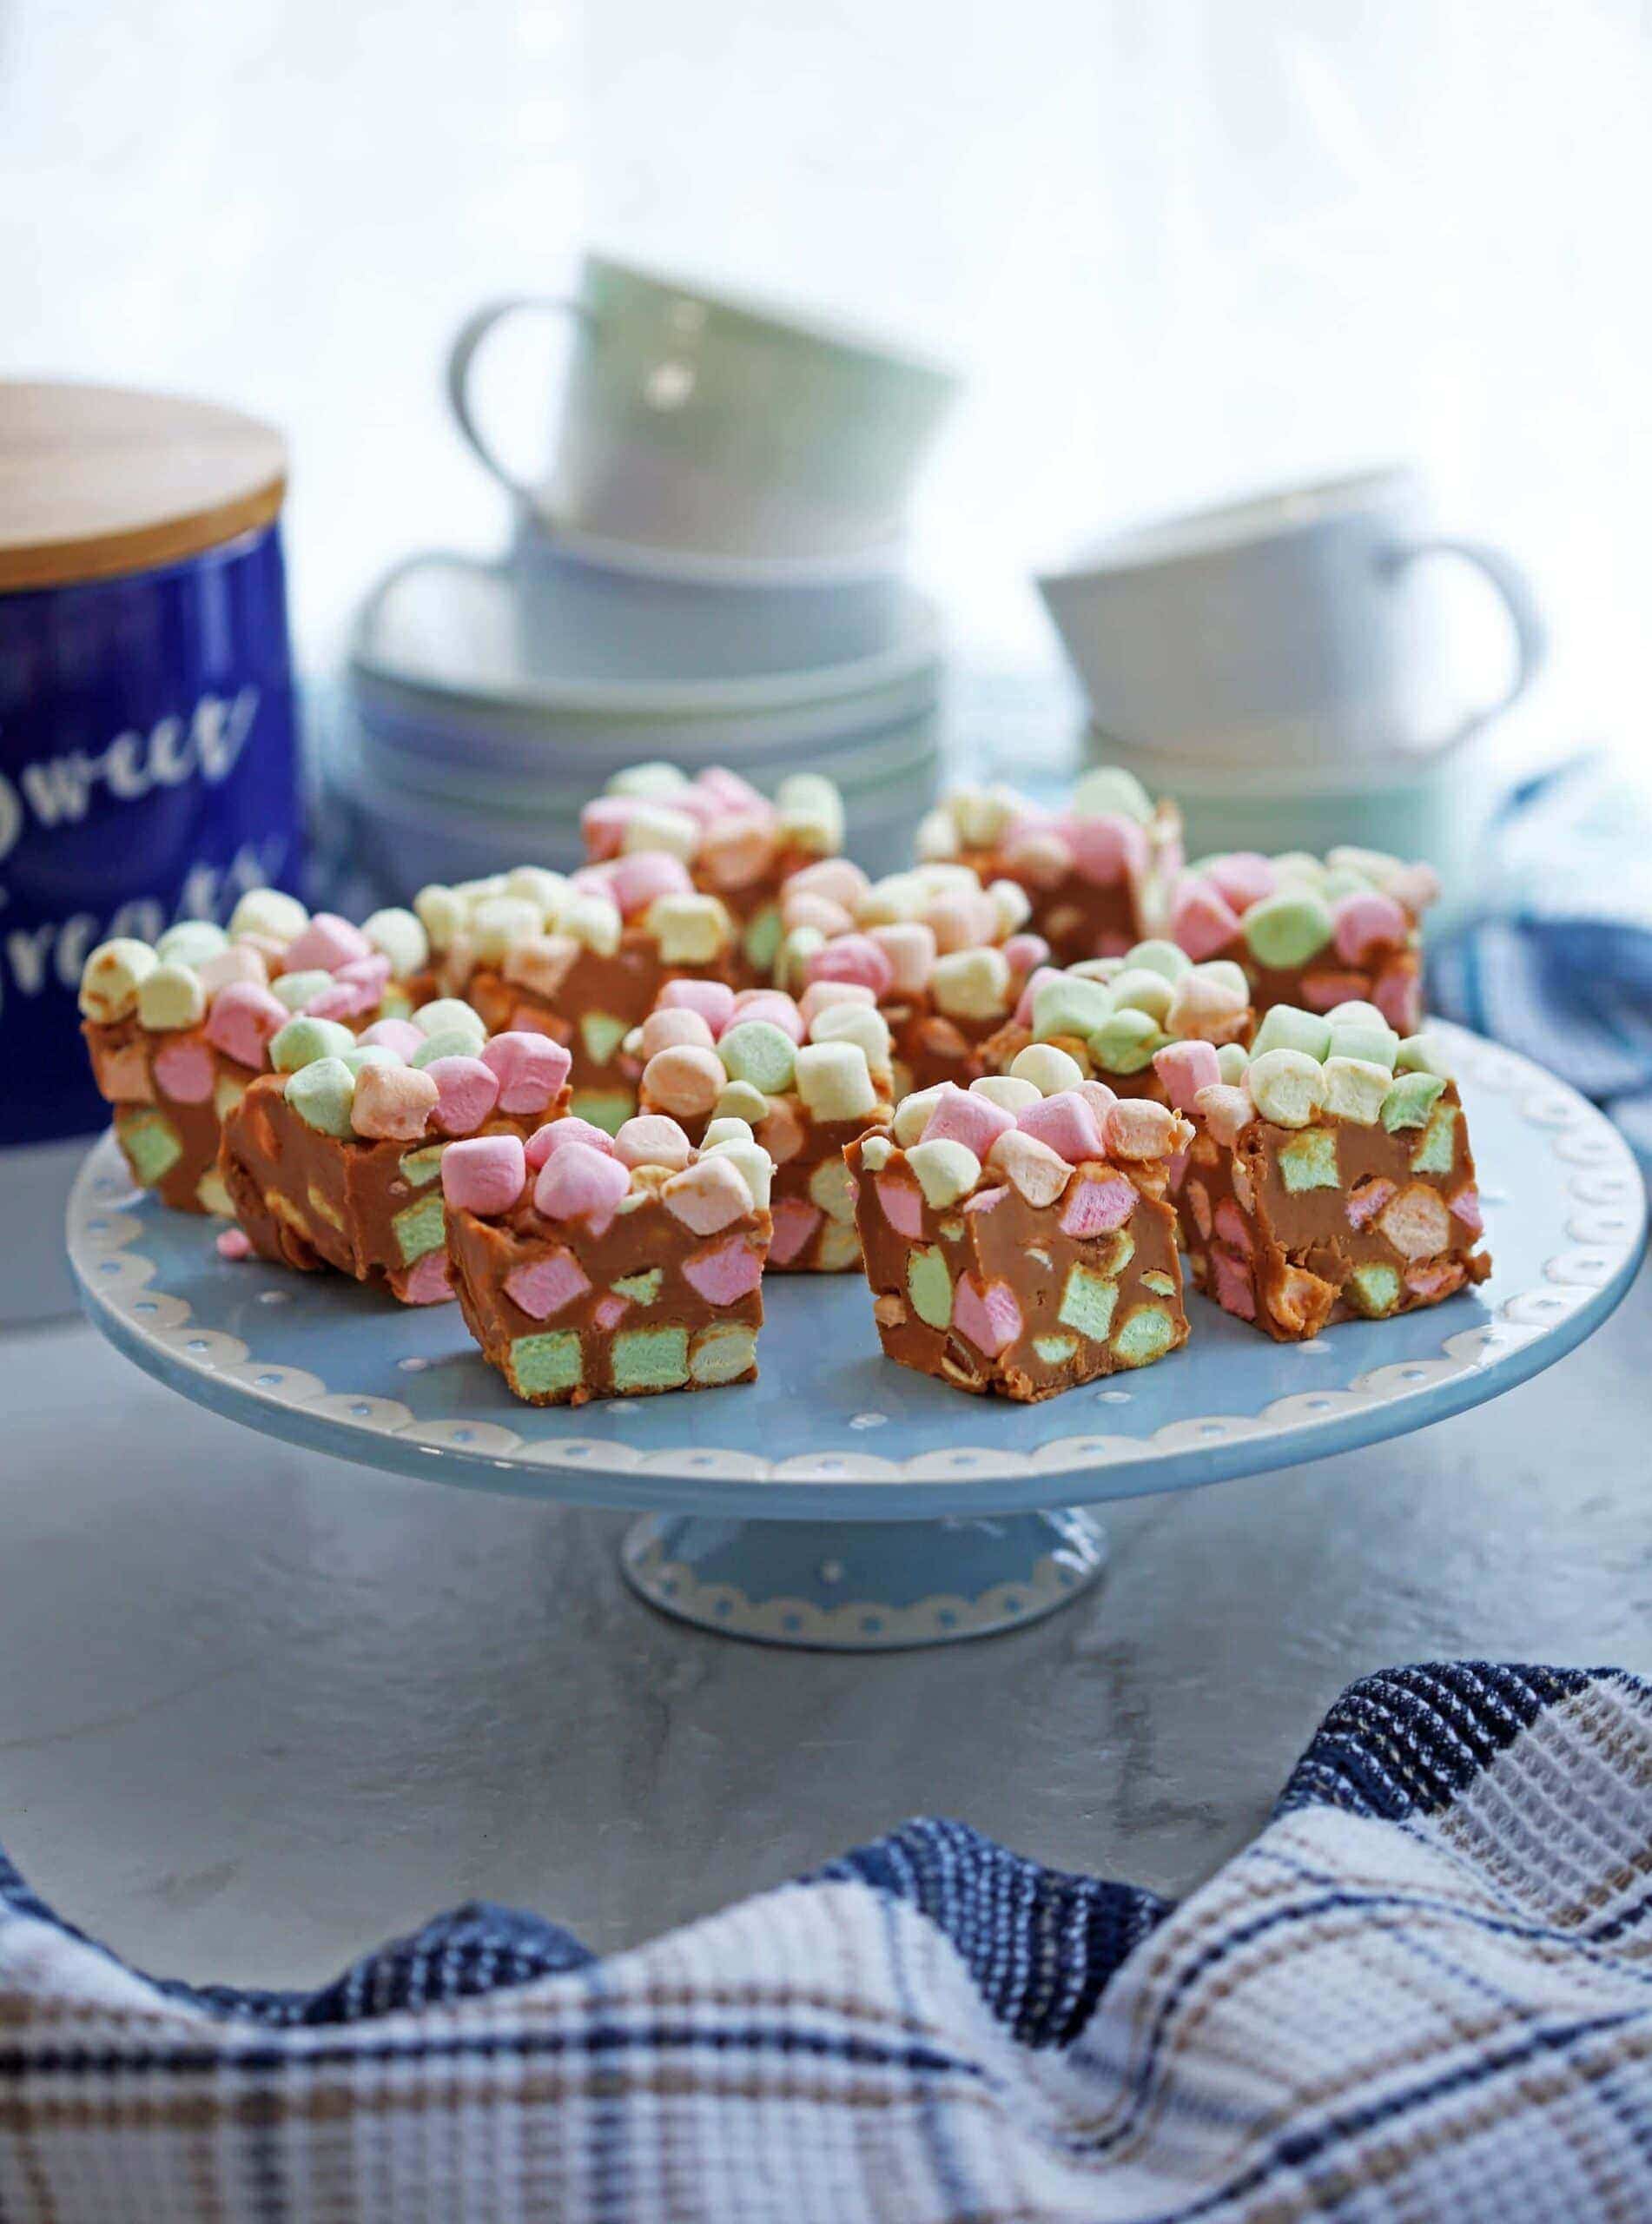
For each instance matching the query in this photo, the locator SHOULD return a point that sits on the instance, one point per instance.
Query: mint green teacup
(708, 437)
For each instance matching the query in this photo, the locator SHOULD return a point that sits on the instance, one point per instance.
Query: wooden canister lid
(96, 481)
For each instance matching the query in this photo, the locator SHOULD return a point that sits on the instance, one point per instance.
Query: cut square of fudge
(177, 1030)
(1107, 1019)
(581, 958)
(1021, 1243)
(1313, 933)
(804, 1079)
(591, 1267)
(944, 958)
(334, 1158)
(1098, 873)
(734, 844)
(1331, 1180)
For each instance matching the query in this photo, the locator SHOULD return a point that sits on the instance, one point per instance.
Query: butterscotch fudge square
(1311, 932)
(176, 1029)
(580, 958)
(734, 844)
(1098, 873)
(334, 1159)
(1330, 1179)
(588, 1267)
(1020, 1243)
(1107, 1019)
(807, 1077)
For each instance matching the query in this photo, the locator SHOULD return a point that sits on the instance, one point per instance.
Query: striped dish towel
(1424, 1992)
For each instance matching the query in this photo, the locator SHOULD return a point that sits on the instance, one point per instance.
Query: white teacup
(1306, 627)
(702, 437)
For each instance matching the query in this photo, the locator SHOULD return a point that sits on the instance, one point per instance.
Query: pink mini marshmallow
(819, 912)
(1137, 1129)
(820, 995)
(685, 1082)
(665, 1030)
(603, 823)
(241, 961)
(325, 944)
(910, 949)
(1030, 988)
(635, 879)
(1398, 995)
(576, 1183)
(1465, 1206)
(1097, 1207)
(1039, 856)
(1066, 1123)
(738, 849)
(1100, 1100)
(725, 1273)
(608, 1312)
(184, 1071)
(1024, 953)
(1106, 848)
(652, 1139)
(989, 1317)
(485, 1175)
(856, 957)
(1324, 991)
(986, 1201)
(1184, 1068)
(903, 1204)
(770, 1004)
(962, 1117)
(344, 1000)
(1242, 877)
(1202, 920)
(713, 1000)
(531, 1069)
(1366, 924)
(233, 1244)
(373, 971)
(1225, 1111)
(1235, 1292)
(397, 1034)
(1230, 1226)
(466, 1092)
(726, 790)
(781, 1132)
(1368, 1199)
(393, 1103)
(1414, 888)
(795, 1223)
(242, 1018)
(835, 878)
(543, 1286)
(426, 1282)
(964, 918)
(556, 1135)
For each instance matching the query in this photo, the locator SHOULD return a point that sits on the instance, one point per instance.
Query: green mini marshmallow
(1287, 1087)
(1110, 788)
(1410, 1100)
(1287, 928)
(1139, 988)
(928, 1285)
(741, 1100)
(1374, 1289)
(1069, 1004)
(152, 1143)
(724, 1353)
(758, 1051)
(369, 1054)
(418, 1229)
(1147, 1332)
(607, 1108)
(1126, 1043)
(1088, 1302)
(1055, 1351)
(1232, 1058)
(321, 1094)
(760, 942)
(420, 1168)
(447, 1043)
(1300, 867)
(445, 1012)
(1157, 957)
(1438, 1149)
(643, 1288)
(650, 1359)
(1309, 1161)
(1284, 1028)
(296, 990)
(727, 1129)
(1423, 1054)
(542, 1364)
(1375, 1045)
(601, 1034)
(192, 942)
(301, 1042)
(1355, 1088)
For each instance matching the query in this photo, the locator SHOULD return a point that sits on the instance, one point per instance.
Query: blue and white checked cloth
(1424, 1993)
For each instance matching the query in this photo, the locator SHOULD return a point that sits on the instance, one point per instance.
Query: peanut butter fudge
(1330, 1177)
(332, 1160)
(591, 1267)
(1107, 1019)
(808, 1077)
(734, 844)
(1098, 873)
(1019, 1242)
(1309, 932)
(177, 1030)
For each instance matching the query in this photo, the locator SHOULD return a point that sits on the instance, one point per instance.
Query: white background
(1183, 247)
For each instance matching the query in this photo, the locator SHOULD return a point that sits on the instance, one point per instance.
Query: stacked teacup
(1282, 666)
(709, 571)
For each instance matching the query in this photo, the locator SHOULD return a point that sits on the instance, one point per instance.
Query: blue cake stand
(842, 1501)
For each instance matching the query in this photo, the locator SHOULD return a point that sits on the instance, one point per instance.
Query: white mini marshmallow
(398, 935)
(171, 996)
(268, 911)
(1010, 1092)
(834, 1081)
(691, 930)
(656, 826)
(971, 983)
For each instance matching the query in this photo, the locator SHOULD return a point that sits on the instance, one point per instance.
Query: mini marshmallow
(835, 879)
(963, 1116)
(344, 1000)
(369, 1054)
(753, 1163)
(962, 918)
(1409, 1098)
(937, 835)
(499, 923)
(448, 1043)
(909, 950)
(184, 1071)
(1012, 907)
(1207, 1007)
(691, 930)
(191, 943)
(1011, 1093)
(1355, 1088)
(1025, 952)
(971, 983)
(1202, 919)
(445, 1013)
(397, 934)
(911, 1114)
(467, 1091)
(1423, 1054)
(556, 1135)
(237, 961)
(712, 999)
(770, 1004)
(322, 1092)
(398, 1036)
(1365, 924)
(684, 1080)
(1227, 1111)
(821, 995)
(1069, 1004)
(1040, 857)
(1038, 1174)
(171, 996)
(531, 1070)
(652, 780)
(299, 990)
(541, 887)
(541, 963)
(635, 881)
(1068, 1123)
(1126, 1043)
(810, 812)
(1284, 1028)
(576, 1183)
(712, 1193)
(652, 1139)
(1138, 987)
(326, 943)
(111, 977)
(658, 826)
(241, 1021)
(740, 1100)
(666, 1029)
(817, 911)
(1232, 1058)
(268, 911)
(758, 1051)
(301, 1042)
(854, 958)
(594, 923)
(1110, 788)
(946, 1170)
(980, 816)
(834, 1081)
(1106, 849)
(1184, 1068)
(1047, 1068)
(1286, 1087)
(1287, 928)
(392, 1101)
(485, 1175)
(442, 912)
(740, 849)
(1242, 877)
(876, 1151)
(859, 1023)
(729, 1131)
(1137, 1129)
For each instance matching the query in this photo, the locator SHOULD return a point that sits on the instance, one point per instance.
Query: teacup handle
(462, 355)
(1518, 598)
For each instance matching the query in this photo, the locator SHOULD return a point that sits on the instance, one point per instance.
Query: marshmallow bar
(591, 1267)
(1107, 1018)
(1331, 1178)
(1097, 873)
(580, 958)
(734, 842)
(177, 1030)
(1019, 1242)
(1311, 932)
(334, 1159)
(803, 1080)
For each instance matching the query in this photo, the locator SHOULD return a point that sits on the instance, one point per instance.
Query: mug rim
(1249, 520)
(776, 315)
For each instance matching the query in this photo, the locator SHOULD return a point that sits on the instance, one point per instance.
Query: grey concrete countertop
(259, 1710)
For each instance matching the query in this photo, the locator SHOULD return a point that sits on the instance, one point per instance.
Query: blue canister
(149, 770)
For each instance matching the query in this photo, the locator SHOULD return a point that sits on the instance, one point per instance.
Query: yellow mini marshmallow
(876, 1153)
(499, 923)
(540, 964)
(937, 835)
(171, 996)
(854, 1023)
(810, 812)
(399, 936)
(268, 911)
(1010, 1092)
(1355, 1088)
(983, 816)
(656, 826)
(442, 912)
(834, 1081)
(912, 1112)
(971, 983)
(691, 930)
(727, 1129)
(1286, 1087)
(946, 1171)
(1012, 906)
(743, 1100)
(111, 977)
(539, 884)
(1048, 1069)
(593, 921)
(653, 780)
